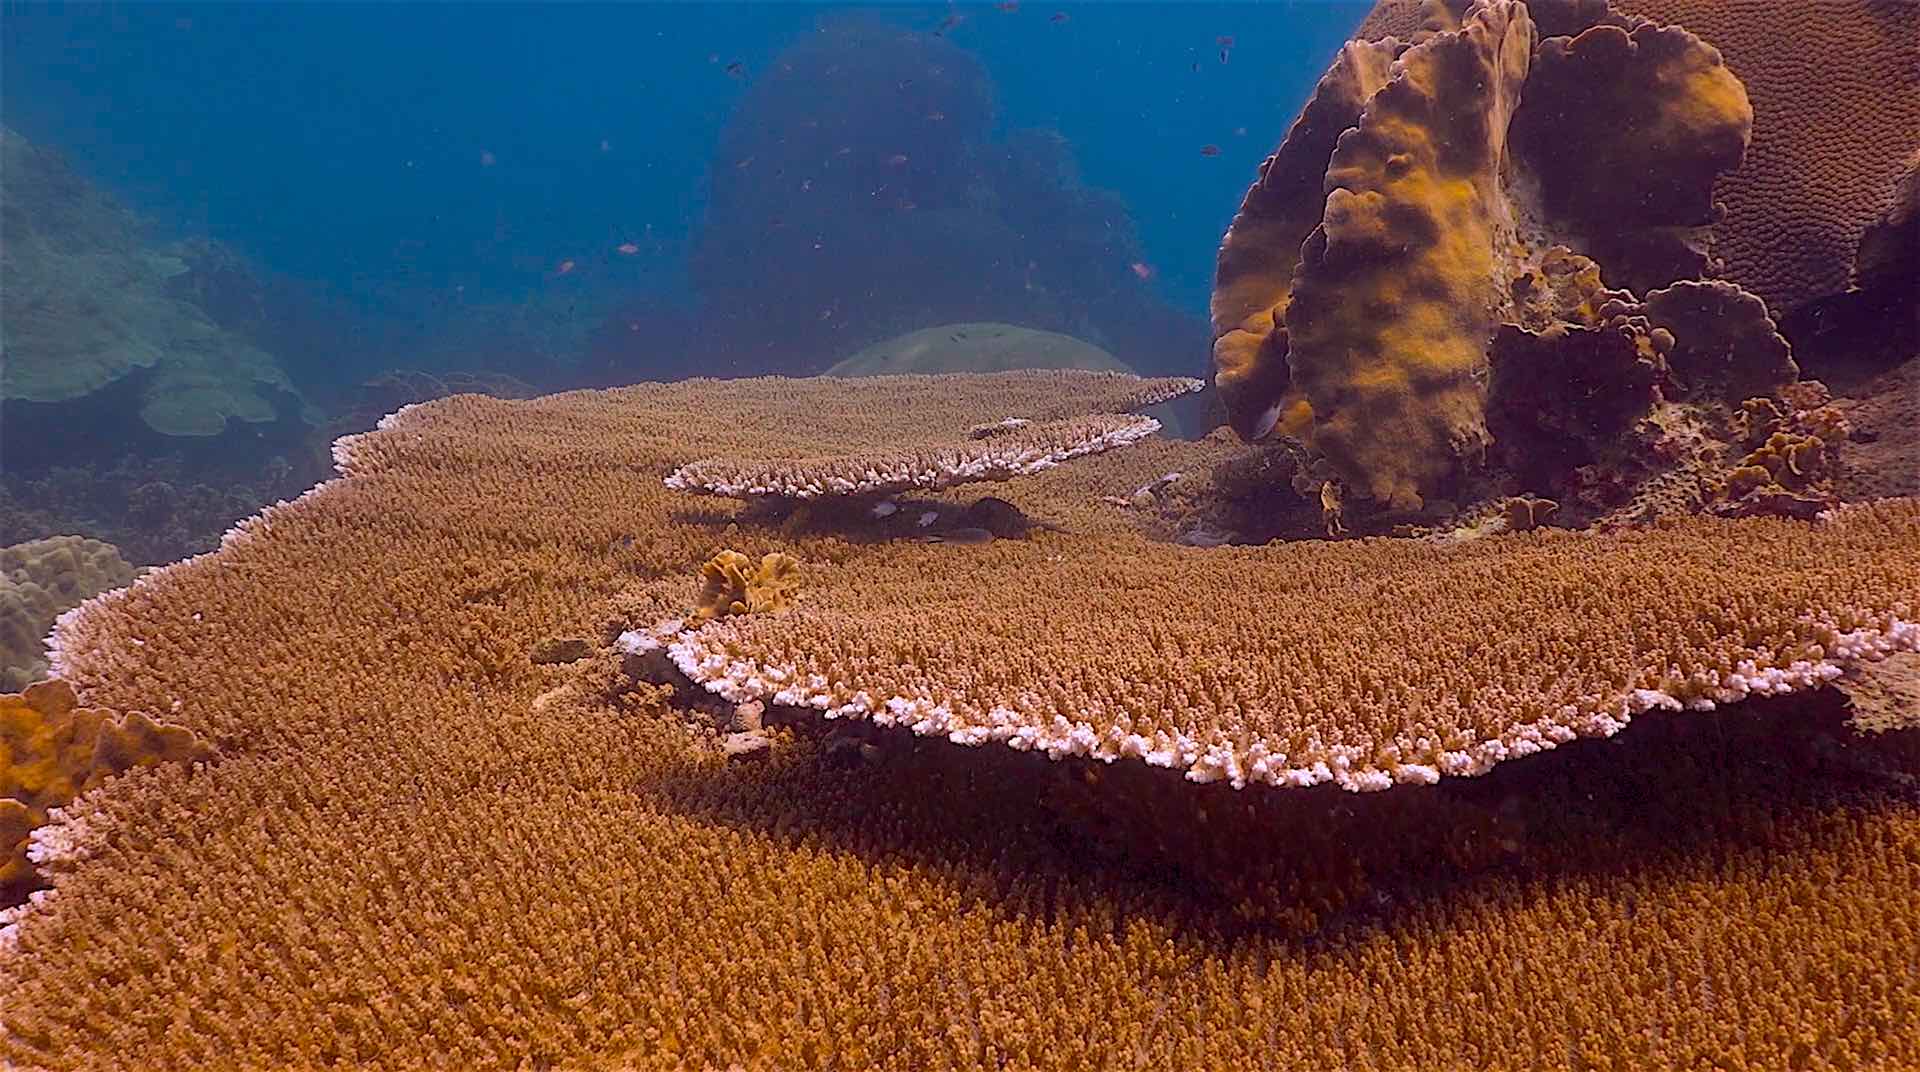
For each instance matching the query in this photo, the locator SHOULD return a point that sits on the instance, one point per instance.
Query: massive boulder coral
(1447, 197)
(39, 580)
(1835, 89)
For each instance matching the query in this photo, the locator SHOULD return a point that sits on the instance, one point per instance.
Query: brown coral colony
(724, 724)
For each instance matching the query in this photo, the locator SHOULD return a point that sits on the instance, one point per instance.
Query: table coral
(87, 304)
(420, 850)
(1061, 416)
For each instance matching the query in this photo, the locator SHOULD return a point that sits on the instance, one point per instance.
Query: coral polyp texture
(1046, 418)
(417, 847)
(1368, 665)
(1811, 183)
(1363, 282)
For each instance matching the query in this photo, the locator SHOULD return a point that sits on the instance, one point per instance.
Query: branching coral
(421, 850)
(1076, 423)
(731, 583)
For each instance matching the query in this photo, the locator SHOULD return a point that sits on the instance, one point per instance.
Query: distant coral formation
(976, 348)
(91, 301)
(863, 181)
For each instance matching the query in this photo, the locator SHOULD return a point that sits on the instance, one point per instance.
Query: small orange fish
(564, 267)
(1209, 150)
(1142, 269)
(626, 249)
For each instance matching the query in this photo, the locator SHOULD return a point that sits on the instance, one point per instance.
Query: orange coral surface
(418, 848)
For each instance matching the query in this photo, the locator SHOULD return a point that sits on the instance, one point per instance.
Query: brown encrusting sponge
(417, 848)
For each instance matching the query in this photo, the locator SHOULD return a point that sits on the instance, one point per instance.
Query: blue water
(401, 162)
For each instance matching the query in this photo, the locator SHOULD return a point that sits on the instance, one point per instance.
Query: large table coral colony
(504, 749)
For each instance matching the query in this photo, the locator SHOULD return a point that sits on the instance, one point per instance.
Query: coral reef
(1796, 209)
(1451, 214)
(862, 179)
(51, 751)
(39, 580)
(1095, 417)
(732, 583)
(419, 848)
(976, 348)
(90, 301)
(1460, 325)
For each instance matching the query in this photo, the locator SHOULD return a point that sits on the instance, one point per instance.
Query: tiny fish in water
(1007, 5)
(1059, 17)
(487, 159)
(966, 536)
(1209, 150)
(736, 69)
(1142, 269)
(928, 518)
(564, 267)
(626, 249)
(897, 159)
(885, 509)
(949, 23)
(936, 116)
(1223, 41)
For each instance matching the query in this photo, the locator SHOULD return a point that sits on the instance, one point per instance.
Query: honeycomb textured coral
(420, 850)
(1810, 184)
